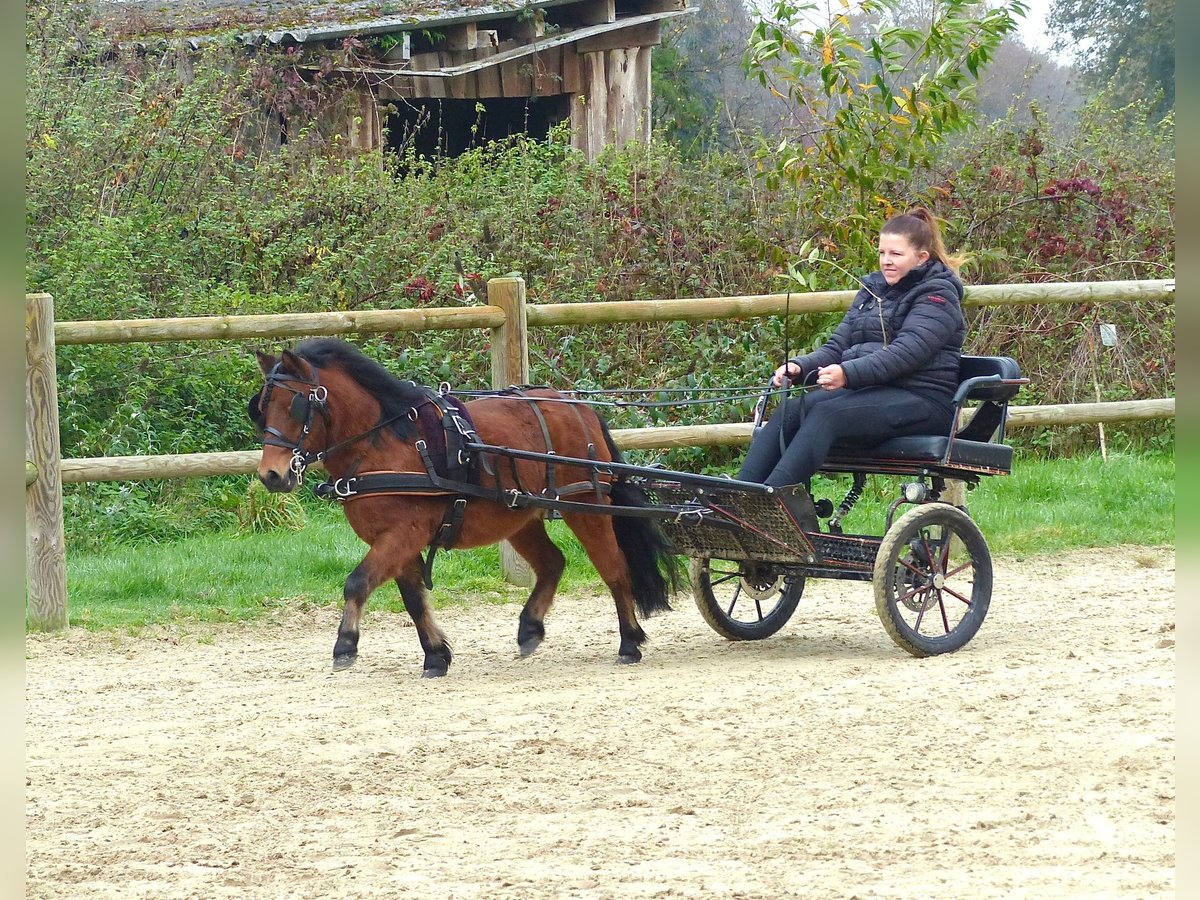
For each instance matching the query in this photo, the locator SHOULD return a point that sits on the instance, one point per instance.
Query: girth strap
(446, 536)
(541, 420)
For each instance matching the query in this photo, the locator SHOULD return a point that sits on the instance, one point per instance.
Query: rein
(579, 397)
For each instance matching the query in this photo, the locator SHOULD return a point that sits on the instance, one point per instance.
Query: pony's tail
(653, 563)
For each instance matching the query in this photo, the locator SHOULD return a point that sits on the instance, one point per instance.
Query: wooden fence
(508, 317)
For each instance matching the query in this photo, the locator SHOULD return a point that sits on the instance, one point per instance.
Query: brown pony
(325, 401)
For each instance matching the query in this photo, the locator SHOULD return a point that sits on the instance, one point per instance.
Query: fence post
(45, 542)
(510, 365)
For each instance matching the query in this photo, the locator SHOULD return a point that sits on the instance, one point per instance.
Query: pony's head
(291, 416)
(294, 410)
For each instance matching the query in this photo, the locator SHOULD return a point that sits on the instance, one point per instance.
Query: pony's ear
(266, 361)
(294, 364)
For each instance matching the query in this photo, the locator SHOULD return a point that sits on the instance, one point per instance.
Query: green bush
(149, 194)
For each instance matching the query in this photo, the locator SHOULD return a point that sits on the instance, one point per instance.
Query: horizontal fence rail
(508, 317)
(286, 325)
(757, 306)
(242, 462)
(209, 328)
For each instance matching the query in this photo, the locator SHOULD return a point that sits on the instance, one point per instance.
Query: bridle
(306, 403)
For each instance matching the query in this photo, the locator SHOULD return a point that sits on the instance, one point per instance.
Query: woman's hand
(831, 377)
(788, 370)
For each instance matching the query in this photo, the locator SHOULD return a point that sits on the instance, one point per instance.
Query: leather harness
(450, 452)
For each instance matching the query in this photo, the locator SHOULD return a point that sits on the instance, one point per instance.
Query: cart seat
(977, 447)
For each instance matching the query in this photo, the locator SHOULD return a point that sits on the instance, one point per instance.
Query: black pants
(813, 422)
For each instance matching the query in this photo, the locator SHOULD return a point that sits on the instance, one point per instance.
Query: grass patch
(1044, 507)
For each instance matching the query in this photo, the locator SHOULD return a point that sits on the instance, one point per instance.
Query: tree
(1129, 43)
(874, 98)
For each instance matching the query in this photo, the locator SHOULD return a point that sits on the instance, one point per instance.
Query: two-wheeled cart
(752, 548)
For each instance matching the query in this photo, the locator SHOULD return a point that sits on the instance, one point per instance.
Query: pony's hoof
(344, 661)
(627, 659)
(528, 645)
(434, 673)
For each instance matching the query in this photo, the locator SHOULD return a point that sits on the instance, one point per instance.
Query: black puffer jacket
(925, 332)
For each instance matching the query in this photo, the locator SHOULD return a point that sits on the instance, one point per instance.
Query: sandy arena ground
(822, 762)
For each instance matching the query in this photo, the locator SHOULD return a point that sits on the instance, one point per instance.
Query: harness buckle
(319, 394)
(513, 496)
(444, 388)
(343, 489)
(298, 465)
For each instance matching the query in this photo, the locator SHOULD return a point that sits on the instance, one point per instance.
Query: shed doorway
(445, 127)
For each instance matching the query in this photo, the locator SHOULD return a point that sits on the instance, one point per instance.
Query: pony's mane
(395, 397)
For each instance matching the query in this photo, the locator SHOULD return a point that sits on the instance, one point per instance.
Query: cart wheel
(745, 601)
(932, 592)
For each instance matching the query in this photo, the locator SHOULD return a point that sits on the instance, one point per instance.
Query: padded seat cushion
(927, 448)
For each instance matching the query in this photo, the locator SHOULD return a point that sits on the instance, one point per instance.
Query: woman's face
(898, 257)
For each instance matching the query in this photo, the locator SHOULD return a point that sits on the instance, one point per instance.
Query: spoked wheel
(745, 601)
(933, 579)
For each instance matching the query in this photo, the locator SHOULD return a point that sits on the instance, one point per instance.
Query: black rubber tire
(744, 610)
(925, 610)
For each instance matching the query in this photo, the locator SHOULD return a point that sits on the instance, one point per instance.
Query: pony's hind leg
(433, 640)
(547, 563)
(598, 538)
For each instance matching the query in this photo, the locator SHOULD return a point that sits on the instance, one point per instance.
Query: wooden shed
(442, 74)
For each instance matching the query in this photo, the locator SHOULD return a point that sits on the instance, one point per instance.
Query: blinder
(300, 408)
(254, 411)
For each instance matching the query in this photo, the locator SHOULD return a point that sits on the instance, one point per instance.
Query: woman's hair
(919, 227)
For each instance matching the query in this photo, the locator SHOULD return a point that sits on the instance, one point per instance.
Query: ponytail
(920, 228)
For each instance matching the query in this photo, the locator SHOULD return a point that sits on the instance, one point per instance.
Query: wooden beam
(286, 325)
(753, 306)
(570, 69)
(140, 468)
(620, 68)
(461, 86)
(527, 28)
(642, 96)
(462, 37)
(487, 80)
(589, 12)
(426, 65)
(45, 539)
(364, 130)
(653, 6)
(547, 73)
(515, 78)
(402, 52)
(510, 365)
(1018, 417)
(593, 100)
(648, 34)
(241, 462)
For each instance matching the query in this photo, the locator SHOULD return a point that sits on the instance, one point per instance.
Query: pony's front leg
(359, 586)
(433, 641)
(377, 567)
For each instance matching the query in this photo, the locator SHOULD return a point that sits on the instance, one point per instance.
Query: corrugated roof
(282, 21)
